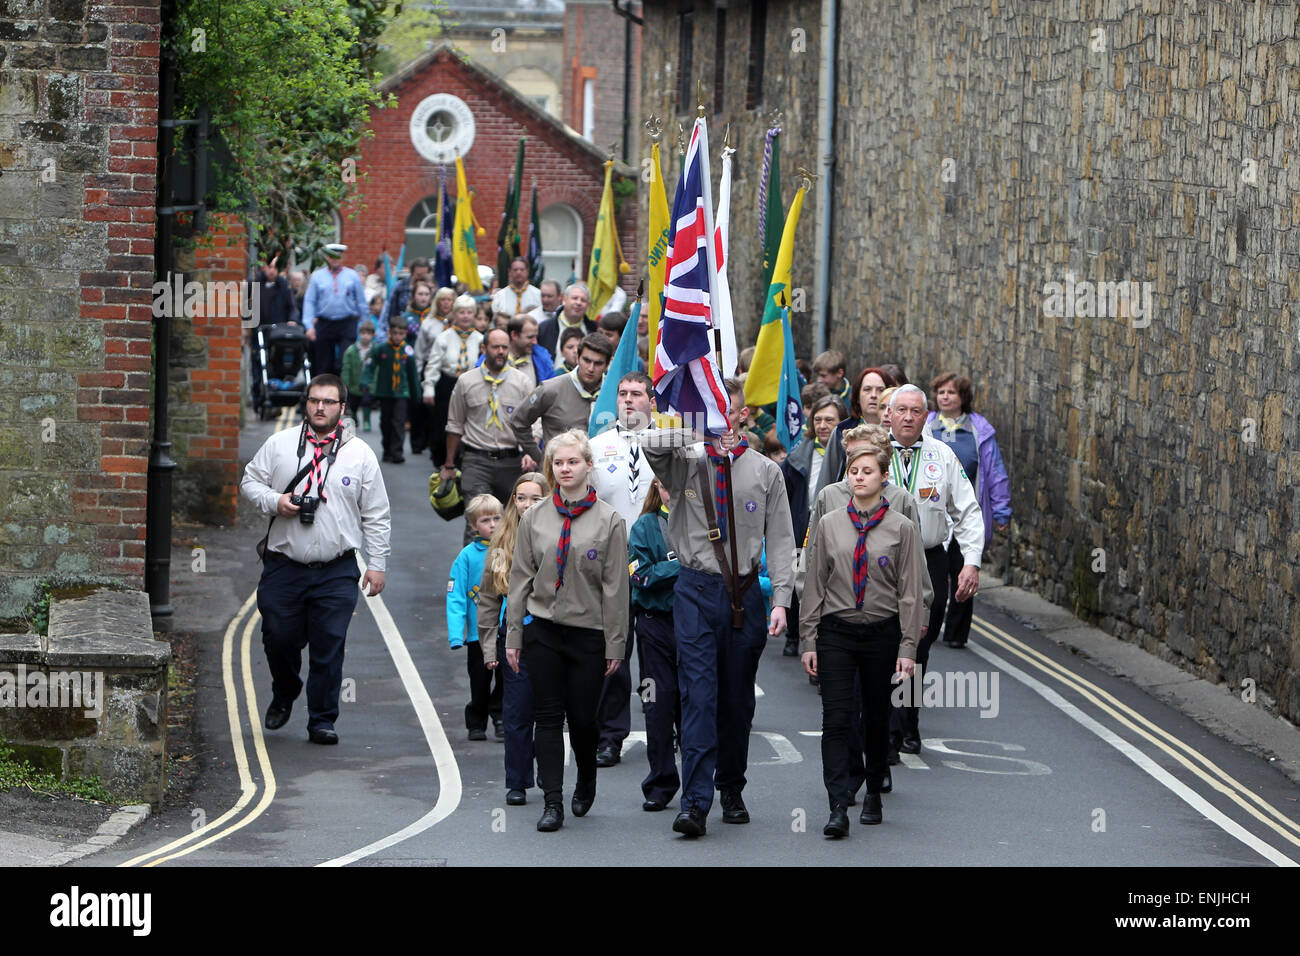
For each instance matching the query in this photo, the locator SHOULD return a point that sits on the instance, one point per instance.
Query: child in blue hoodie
(483, 512)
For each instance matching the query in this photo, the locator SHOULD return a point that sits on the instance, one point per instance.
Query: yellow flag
(763, 383)
(658, 246)
(606, 252)
(464, 248)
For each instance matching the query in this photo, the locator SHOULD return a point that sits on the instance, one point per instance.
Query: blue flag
(789, 404)
(442, 268)
(604, 411)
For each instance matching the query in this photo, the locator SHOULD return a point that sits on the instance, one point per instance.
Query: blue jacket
(462, 588)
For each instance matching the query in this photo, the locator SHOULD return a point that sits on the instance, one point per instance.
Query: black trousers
(904, 722)
(868, 653)
(614, 709)
(566, 666)
(661, 702)
(307, 607)
(421, 417)
(957, 621)
(333, 336)
(485, 689)
(392, 425)
(441, 406)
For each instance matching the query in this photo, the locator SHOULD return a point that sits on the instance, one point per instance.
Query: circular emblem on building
(441, 126)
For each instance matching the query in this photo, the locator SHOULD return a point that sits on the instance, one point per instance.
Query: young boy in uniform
(483, 512)
(355, 361)
(391, 378)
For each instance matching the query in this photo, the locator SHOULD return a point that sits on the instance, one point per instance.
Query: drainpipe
(826, 160)
(631, 18)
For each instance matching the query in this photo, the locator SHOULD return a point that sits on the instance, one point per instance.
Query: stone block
(49, 759)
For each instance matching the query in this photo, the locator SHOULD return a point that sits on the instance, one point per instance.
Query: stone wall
(78, 129)
(788, 83)
(1154, 143)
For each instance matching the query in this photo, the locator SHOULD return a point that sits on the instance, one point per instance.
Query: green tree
(408, 34)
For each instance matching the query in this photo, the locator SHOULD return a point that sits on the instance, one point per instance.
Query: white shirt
(815, 462)
(620, 472)
(508, 301)
(430, 329)
(354, 513)
(944, 495)
(444, 356)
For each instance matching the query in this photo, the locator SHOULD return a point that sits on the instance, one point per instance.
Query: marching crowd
(862, 545)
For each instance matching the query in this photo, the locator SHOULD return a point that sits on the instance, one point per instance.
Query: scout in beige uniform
(565, 401)
(570, 582)
(862, 617)
(718, 614)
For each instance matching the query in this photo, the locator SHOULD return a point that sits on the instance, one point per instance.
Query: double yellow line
(230, 821)
(1184, 754)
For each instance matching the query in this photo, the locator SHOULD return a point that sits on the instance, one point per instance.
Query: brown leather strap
(735, 589)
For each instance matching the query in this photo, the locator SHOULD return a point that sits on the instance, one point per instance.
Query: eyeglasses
(324, 402)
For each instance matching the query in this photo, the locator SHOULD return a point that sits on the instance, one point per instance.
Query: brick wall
(205, 386)
(393, 177)
(789, 83)
(78, 114)
(594, 39)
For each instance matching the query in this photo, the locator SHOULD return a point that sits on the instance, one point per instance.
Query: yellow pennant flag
(606, 252)
(763, 384)
(658, 246)
(464, 247)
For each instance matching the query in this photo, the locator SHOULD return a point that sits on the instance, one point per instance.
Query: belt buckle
(715, 534)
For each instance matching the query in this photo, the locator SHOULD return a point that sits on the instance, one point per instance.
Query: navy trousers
(614, 709)
(311, 608)
(333, 336)
(660, 702)
(716, 666)
(517, 716)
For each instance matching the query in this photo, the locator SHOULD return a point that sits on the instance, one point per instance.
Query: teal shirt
(654, 575)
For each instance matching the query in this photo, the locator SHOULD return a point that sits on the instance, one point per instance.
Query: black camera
(307, 507)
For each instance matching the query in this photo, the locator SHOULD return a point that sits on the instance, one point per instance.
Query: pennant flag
(722, 318)
(686, 376)
(605, 409)
(789, 405)
(658, 247)
(446, 226)
(763, 384)
(390, 276)
(508, 236)
(464, 247)
(536, 267)
(606, 252)
(769, 204)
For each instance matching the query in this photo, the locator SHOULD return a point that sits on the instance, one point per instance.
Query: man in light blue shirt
(331, 309)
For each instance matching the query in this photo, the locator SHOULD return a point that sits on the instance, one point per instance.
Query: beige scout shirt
(896, 567)
(470, 410)
(595, 590)
(557, 403)
(488, 605)
(837, 495)
(758, 500)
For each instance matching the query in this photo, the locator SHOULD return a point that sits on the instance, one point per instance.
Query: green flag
(508, 237)
(775, 212)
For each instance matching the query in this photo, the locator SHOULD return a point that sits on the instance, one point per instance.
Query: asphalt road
(1077, 768)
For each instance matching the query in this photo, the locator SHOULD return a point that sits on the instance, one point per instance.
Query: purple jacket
(992, 486)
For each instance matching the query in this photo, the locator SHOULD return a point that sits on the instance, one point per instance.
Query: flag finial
(699, 97)
(807, 177)
(654, 126)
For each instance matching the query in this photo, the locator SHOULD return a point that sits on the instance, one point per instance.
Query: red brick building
(457, 104)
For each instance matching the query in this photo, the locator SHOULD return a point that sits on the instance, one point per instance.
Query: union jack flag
(686, 374)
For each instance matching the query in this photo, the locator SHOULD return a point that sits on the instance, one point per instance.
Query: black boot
(552, 818)
(838, 824)
(584, 795)
(791, 647)
(872, 811)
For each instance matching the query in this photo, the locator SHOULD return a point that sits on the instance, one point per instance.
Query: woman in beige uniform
(569, 583)
(863, 617)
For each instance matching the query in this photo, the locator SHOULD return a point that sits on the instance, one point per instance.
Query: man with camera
(325, 496)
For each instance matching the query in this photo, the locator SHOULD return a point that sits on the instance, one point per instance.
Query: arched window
(422, 229)
(562, 243)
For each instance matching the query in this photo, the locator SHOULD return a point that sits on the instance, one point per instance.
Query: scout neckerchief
(951, 425)
(582, 390)
(321, 443)
(399, 357)
(818, 446)
(904, 475)
(720, 481)
(633, 459)
(462, 363)
(415, 318)
(844, 391)
(562, 550)
(860, 562)
(519, 297)
(494, 407)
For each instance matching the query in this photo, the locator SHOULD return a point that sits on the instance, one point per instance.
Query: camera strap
(261, 545)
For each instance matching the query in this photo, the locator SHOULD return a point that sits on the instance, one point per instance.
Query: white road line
(1181, 790)
(913, 762)
(449, 783)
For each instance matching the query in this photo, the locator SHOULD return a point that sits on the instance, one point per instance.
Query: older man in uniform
(928, 469)
(552, 302)
(519, 297)
(718, 612)
(565, 401)
(622, 478)
(328, 493)
(478, 425)
(573, 315)
(331, 309)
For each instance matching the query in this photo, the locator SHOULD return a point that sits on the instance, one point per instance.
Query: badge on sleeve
(451, 586)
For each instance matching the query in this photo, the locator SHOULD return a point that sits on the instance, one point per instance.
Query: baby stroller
(286, 367)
